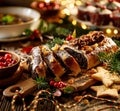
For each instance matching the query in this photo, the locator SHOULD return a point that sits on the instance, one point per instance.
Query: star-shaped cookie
(106, 77)
(103, 91)
(116, 86)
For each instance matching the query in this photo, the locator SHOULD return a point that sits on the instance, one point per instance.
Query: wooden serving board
(26, 87)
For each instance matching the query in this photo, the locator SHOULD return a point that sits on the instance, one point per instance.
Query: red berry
(14, 61)
(5, 64)
(1, 59)
(55, 84)
(64, 84)
(69, 37)
(1, 64)
(60, 85)
(36, 33)
(8, 60)
(52, 82)
(7, 56)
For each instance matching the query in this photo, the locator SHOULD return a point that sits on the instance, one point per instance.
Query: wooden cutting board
(27, 86)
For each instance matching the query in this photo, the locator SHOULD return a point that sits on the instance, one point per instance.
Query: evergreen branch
(42, 83)
(56, 40)
(113, 60)
(117, 42)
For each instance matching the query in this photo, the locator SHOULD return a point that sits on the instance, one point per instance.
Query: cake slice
(54, 65)
(67, 59)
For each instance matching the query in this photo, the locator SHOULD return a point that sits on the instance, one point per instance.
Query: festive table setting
(60, 55)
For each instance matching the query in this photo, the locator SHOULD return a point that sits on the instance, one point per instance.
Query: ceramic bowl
(9, 70)
(15, 30)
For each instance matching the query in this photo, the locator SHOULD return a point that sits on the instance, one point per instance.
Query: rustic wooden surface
(5, 104)
(87, 104)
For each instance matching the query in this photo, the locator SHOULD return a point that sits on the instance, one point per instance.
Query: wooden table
(86, 104)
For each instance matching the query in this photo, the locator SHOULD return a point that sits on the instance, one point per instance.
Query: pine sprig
(113, 60)
(56, 40)
(42, 83)
(117, 42)
(105, 57)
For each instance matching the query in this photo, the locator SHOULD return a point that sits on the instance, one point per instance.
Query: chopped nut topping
(71, 81)
(89, 39)
(77, 98)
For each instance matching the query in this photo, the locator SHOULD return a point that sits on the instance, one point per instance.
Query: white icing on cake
(108, 43)
(91, 8)
(117, 4)
(82, 8)
(88, 8)
(105, 11)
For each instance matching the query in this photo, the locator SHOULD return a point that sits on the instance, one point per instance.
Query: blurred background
(28, 2)
(67, 7)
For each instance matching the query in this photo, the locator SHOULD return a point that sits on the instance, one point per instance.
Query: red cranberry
(1, 58)
(8, 56)
(69, 37)
(14, 61)
(6, 60)
(60, 85)
(1, 64)
(52, 82)
(55, 84)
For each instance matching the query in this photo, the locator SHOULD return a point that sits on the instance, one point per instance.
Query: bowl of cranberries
(9, 62)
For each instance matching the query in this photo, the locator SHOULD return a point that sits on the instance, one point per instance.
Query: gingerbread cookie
(103, 91)
(105, 77)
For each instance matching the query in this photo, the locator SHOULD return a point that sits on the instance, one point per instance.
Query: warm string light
(47, 1)
(74, 22)
(70, 6)
(111, 31)
(108, 31)
(83, 26)
(115, 31)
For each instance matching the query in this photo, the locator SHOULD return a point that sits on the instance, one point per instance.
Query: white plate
(12, 39)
